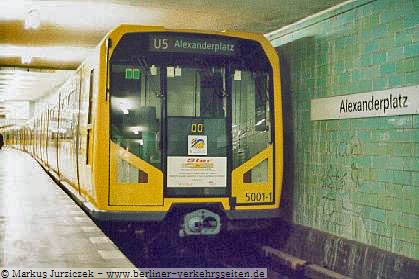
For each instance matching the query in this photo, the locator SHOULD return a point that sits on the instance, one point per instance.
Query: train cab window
(251, 120)
(135, 114)
(196, 92)
(196, 98)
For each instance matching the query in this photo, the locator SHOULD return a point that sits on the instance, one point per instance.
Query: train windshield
(194, 113)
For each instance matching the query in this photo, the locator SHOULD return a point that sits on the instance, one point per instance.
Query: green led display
(132, 73)
(128, 73)
(136, 73)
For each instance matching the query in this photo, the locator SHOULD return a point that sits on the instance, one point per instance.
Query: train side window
(251, 116)
(135, 112)
(91, 82)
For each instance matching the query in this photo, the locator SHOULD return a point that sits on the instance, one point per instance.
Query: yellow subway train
(161, 120)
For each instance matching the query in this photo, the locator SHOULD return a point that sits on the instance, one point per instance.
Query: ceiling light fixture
(52, 53)
(32, 19)
(26, 59)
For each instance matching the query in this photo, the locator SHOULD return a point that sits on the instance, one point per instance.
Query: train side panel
(67, 132)
(87, 119)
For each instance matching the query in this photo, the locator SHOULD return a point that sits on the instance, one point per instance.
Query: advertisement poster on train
(196, 171)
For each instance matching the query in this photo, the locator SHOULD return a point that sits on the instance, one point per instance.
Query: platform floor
(40, 226)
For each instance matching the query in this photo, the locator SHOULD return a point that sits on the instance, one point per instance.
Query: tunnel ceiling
(69, 29)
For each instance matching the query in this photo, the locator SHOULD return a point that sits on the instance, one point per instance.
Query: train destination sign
(172, 43)
(396, 101)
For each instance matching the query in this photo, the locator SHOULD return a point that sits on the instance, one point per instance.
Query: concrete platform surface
(41, 226)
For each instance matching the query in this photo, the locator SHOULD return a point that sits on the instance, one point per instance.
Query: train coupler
(200, 222)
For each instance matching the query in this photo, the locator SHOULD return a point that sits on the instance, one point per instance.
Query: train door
(196, 135)
(83, 123)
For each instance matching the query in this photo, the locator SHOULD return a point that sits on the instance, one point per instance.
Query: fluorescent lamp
(136, 130)
(52, 53)
(139, 141)
(32, 19)
(26, 59)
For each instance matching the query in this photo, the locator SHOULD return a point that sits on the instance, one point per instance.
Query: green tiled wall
(355, 178)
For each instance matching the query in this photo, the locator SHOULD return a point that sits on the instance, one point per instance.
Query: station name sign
(396, 101)
(173, 43)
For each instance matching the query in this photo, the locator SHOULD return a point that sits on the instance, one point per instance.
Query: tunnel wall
(353, 178)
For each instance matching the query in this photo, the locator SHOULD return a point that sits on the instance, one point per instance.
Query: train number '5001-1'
(259, 197)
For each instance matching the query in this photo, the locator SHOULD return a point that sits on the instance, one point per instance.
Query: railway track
(161, 250)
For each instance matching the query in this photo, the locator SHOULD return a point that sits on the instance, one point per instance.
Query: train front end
(195, 128)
